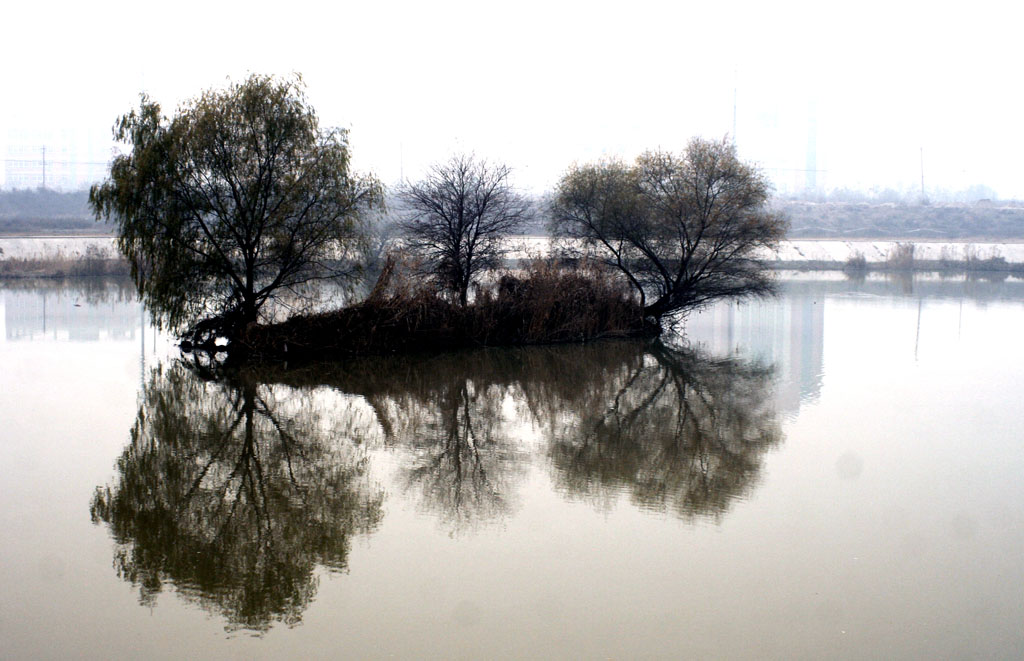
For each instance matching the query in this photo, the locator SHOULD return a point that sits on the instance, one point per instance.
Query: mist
(822, 99)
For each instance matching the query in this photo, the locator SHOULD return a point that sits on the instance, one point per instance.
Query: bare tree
(683, 229)
(457, 217)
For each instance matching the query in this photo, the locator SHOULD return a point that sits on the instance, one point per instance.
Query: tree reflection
(461, 464)
(460, 453)
(234, 497)
(675, 430)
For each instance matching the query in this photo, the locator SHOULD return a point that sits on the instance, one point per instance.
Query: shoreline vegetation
(93, 262)
(231, 211)
(545, 303)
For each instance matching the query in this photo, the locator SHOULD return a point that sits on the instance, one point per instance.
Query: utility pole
(44, 168)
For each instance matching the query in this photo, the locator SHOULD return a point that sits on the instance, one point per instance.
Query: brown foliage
(546, 303)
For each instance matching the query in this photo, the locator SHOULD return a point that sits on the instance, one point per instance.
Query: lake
(873, 250)
(835, 473)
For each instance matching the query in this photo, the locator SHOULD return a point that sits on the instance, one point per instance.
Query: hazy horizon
(862, 97)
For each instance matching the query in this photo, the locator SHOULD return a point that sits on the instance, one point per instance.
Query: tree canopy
(458, 216)
(683, 229)
(239, 198)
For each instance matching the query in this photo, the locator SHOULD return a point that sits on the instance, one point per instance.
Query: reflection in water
(787, 332)
(675, 430)
(235, 491)
(86, 309)
(234, 498)
(463, 465)
(444, 416)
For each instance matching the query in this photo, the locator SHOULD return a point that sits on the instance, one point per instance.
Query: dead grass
(95, 262)
(544, 303)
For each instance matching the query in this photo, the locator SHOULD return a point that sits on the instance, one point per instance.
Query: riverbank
(60, 257)
(91, 265)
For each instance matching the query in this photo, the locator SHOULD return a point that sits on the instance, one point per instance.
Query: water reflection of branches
(462, 463)
(234, 498)
(678, 432)
(443, 414)
(675, 429)
(91, 291)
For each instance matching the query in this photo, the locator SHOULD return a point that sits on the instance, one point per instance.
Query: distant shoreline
(808, 239)
(97, 254)
(56, 235)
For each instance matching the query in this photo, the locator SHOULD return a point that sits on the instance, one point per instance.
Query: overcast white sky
(541, 84)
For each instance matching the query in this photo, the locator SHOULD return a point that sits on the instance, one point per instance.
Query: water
(531, 246)
(832, 474)
(835, 250)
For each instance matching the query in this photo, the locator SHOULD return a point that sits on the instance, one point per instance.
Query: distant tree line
(41, 210)
(984, 220)
(913, 195)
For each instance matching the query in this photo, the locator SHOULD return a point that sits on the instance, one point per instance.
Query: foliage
(238, 198)
(683, 229)
(856, 262)
(234, 495)
(458, 216)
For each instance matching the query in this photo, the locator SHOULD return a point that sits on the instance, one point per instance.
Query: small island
(235, 212)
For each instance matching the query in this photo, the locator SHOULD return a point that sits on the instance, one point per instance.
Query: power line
(45, 172)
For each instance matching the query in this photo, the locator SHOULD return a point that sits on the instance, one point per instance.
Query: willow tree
(239, 198)
(683, 229)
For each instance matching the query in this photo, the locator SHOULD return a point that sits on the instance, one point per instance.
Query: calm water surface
(835, 473)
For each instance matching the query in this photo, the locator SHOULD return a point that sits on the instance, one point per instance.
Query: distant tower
(812, 147)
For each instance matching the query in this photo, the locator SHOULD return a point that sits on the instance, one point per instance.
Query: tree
(457, 218)
(683, 229)
(234, 201)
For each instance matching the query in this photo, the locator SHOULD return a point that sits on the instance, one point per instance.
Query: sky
(867, 94)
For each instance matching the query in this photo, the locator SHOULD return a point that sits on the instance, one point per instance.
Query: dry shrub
(546, 303)
(901, 257)
(856, 262)
(555, 303)
(95, 262)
